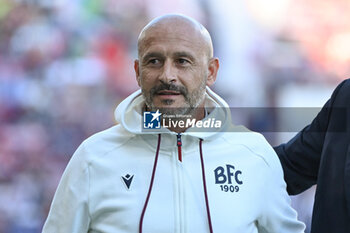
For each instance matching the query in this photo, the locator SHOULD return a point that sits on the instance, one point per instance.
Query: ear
(213, 67)
(137, 71)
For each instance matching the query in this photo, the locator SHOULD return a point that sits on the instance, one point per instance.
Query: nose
(169, 73)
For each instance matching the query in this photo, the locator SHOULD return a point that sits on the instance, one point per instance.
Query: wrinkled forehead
(176, 29)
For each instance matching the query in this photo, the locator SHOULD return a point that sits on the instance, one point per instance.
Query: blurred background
(65, 66)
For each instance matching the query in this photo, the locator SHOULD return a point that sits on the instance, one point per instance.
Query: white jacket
(105, 185)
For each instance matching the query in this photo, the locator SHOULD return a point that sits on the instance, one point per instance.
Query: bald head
(180, 25)
(175, 64)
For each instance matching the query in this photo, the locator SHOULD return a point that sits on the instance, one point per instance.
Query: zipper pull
(179, 144)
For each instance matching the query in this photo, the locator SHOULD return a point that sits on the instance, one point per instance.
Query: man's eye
(183, 61)
(154, 61)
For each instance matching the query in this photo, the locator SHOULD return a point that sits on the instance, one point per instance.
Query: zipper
(180, 208)
(179, 144)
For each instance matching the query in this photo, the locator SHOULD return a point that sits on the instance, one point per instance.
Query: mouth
(168, 92)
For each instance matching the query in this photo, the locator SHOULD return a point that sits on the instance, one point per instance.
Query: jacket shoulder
(345, 84)
(105, 141)
(255, 143)
(341, 94)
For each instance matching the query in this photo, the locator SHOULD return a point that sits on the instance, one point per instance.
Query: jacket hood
(129, 115)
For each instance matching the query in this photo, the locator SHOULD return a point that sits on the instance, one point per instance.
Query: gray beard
(192, 100)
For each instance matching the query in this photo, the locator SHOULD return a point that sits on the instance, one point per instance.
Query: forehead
(168, 45)
(172, 38)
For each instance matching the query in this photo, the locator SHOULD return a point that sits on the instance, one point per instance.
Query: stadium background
(65, 65)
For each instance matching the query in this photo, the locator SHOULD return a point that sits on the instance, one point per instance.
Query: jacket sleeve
(300, 157)
(277, 214)
(69, 208)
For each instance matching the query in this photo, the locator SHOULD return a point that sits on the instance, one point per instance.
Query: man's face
(172, 70)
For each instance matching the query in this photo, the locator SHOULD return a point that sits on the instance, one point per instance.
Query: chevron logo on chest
(127, 179)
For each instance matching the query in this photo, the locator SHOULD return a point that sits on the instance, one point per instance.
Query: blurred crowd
(65, 65)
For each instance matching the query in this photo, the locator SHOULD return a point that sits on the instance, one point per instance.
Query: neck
(197, 114)
(171, 122)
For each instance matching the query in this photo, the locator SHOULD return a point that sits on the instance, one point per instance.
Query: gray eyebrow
(152, 54)
(184, 54)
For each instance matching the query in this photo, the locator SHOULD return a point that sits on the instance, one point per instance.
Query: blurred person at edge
(320, 154)
(128, 179)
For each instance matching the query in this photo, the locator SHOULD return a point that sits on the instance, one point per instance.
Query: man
(178, 178)
(320, 154)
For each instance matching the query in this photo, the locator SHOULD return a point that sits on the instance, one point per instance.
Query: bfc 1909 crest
(228, 178)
